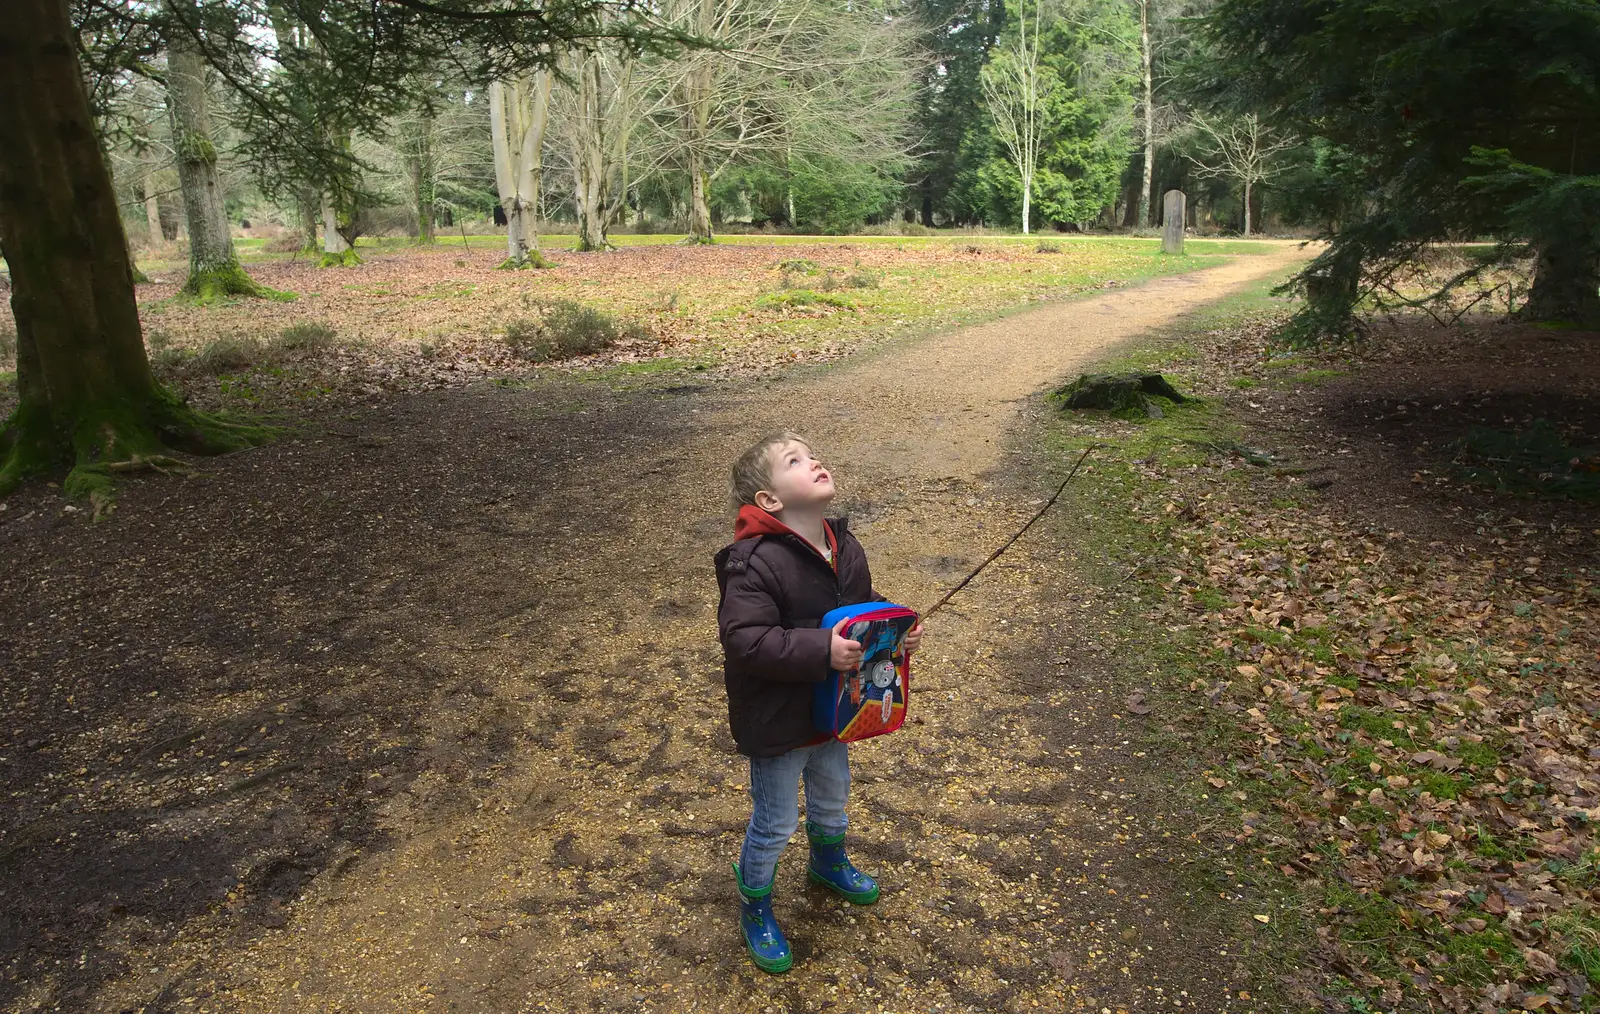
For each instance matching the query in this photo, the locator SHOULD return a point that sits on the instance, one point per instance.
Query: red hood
(753, 521)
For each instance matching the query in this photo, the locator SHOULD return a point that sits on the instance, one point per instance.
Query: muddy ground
(423, 711)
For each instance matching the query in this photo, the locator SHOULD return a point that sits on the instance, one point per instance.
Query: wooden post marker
(1172, 222)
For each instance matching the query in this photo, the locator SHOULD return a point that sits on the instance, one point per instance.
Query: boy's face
(798, 479)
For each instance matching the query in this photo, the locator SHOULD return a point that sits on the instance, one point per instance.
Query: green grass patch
(1315, 377)
(801, 298)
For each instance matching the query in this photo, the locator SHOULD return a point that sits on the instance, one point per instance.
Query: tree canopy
(1432, 122)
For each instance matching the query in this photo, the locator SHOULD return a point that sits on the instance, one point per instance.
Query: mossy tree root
(211, 284)
(343, 259)
(534, 260)
(101, 442)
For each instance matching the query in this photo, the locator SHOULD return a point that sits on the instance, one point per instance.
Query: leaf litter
(1403, 684)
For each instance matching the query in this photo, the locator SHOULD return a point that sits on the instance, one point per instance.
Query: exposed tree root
(211, 284)
(534, 260)
(347, 259)
(100, 443)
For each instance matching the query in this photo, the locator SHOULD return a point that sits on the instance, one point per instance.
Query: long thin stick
(1007, 544)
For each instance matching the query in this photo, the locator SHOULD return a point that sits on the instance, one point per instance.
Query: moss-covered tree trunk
(86, 397)
(214, 268)
(334, 245)
(1566, 282)
(419, 169)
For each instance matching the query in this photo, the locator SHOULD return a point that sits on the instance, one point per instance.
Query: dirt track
(515, 789)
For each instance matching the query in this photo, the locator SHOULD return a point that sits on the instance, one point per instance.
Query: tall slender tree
(1016, 90)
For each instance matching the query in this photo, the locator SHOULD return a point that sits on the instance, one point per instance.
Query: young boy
(788, 565)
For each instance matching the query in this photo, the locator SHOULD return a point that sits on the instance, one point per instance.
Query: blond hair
(752, 470)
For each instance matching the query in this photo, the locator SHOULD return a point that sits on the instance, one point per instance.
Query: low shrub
(1047, 246)
(230, 355)
(566, 328)
(859, 277)
(308, 336)
(289, 242)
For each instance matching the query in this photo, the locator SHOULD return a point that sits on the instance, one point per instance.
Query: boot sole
(854, 898)
(772, 966)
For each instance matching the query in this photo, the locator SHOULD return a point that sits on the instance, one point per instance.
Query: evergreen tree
(1434, 122)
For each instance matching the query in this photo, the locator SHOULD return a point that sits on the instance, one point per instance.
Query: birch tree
(1240, 149)
(519, 113)
(795, 80)
(1016, 90)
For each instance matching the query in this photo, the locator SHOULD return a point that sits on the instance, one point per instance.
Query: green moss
(1442, 786)
(210, 285)
(800, 298)
(102, 441)
(534, 261)
(1316, 376)
(347, 259)
(195, 147)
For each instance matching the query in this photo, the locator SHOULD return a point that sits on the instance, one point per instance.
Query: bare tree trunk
(214, 269)
(519, 112)
(1247, 207)
(420, 170)
(699, 200)
(152, 209)
(1148, 175)
(1027, 201)
(590, 169)
(85, 394)
(334, 245)
(1566, 282)
(309, 204)
(697, 110)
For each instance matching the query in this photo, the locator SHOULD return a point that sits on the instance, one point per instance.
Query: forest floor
(424, 318)
(422, 710)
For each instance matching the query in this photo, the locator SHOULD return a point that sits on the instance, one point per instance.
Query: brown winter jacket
(775, 589)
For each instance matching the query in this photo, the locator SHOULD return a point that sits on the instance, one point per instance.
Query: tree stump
(1116, 392)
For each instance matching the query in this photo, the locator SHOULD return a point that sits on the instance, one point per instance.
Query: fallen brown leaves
(1409, 725)
(417, 319)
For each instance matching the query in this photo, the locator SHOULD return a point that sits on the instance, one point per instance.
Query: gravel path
(559, 832)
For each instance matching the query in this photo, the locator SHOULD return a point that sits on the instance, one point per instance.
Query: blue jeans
(775, 799)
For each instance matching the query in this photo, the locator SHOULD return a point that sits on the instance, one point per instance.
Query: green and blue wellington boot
(763, 937)
(831, 868)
